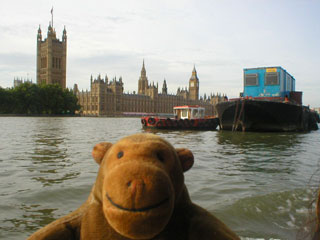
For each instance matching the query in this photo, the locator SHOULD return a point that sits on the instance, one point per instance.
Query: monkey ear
(186, 158)
(99, 150)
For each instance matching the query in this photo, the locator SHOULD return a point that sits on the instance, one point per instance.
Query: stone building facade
(107, 98)
(51, 58)
(18, 81)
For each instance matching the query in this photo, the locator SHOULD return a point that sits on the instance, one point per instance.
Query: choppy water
(260, 184)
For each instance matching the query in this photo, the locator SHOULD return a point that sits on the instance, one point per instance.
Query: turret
(143, 81)
(51, 32)
(143, 70)
(106, 79)
(164, 87)
(39, 36)
(38, 66)
(64, 35)
(75, 89)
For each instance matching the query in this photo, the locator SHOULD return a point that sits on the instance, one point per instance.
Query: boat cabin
(188, 112)
(269, 82)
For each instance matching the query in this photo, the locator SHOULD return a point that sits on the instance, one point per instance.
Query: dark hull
(175, 124)
(260, 115)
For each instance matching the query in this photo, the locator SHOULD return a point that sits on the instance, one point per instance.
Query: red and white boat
(185, 117)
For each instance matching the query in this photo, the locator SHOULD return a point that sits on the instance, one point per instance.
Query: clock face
(192, 84)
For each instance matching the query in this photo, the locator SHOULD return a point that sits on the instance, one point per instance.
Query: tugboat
(185, 117)
(269, 102)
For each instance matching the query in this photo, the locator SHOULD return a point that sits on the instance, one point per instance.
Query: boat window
(195, 113)
(175, 113)
(271, 78)
(289, 83)
(184, 113)
(201, 113)
(251, 79)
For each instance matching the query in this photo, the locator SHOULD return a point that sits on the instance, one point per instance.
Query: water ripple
(259, 184)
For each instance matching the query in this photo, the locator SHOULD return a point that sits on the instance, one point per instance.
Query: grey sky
(219, 37)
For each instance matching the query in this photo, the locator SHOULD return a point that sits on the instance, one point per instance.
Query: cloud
(219, 37)
(16, 65)
(15, 60)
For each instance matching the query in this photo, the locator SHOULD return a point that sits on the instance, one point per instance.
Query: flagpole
(52, 16)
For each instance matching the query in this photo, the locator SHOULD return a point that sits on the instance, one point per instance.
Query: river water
(260, 184)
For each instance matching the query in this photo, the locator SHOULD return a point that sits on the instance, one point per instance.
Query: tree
(6, 101)
(30, 98)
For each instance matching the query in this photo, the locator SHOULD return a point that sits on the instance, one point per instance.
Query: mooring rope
(235, 115)
(240, 114)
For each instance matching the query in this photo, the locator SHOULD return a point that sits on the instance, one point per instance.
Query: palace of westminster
(106, 97)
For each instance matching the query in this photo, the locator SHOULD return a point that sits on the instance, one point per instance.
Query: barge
(269, 102)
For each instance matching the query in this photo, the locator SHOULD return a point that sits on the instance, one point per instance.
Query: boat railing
(277, 99)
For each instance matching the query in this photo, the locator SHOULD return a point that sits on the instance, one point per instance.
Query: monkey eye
(120, 154)
(160, 157)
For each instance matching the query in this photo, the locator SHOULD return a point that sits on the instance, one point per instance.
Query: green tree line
(30, 98)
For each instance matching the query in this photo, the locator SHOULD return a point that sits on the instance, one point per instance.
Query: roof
(187, 106)
(278, 67)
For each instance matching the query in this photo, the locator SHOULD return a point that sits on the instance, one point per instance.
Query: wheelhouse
(188, 112)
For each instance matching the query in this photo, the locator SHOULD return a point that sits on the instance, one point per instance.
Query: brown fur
(316, 235)
(139, 193)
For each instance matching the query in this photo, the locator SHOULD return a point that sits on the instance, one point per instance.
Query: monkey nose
(136, 186)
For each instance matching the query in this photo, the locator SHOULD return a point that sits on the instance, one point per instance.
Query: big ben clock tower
(194, 85)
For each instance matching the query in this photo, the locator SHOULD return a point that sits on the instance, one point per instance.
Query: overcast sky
(219, 37)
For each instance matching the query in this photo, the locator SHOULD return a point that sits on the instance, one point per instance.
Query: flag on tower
(52, 17)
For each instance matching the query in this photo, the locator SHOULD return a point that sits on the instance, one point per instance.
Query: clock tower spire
(194, 85)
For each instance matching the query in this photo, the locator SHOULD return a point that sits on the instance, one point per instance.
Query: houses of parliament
(106, 97)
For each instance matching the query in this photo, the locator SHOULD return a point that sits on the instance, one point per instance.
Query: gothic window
(43, 62)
